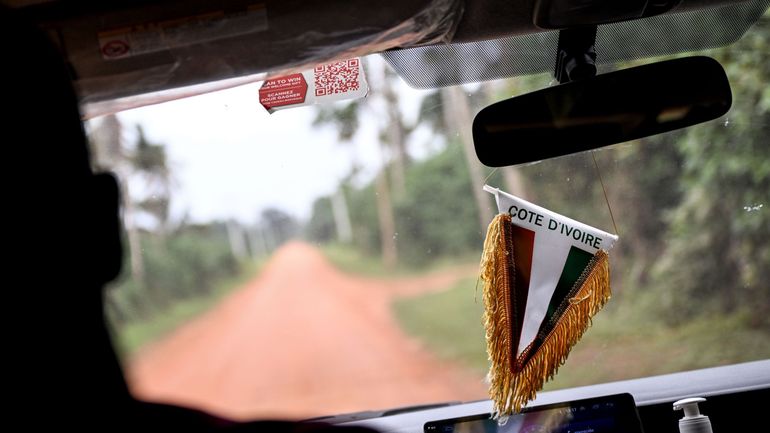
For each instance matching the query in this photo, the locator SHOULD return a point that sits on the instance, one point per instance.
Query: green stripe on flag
(577, 261)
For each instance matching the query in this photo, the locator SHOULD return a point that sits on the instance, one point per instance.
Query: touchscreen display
(610, 414)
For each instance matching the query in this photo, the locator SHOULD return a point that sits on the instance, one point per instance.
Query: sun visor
(118, 53)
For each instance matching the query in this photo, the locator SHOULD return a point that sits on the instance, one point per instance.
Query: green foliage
(186, 264)
(134, 334)
(719, 247)
(191, 263)
(642, 184)
(321, 227)
(433, 218)
(362, 206)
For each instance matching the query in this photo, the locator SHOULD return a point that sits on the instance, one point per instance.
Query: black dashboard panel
(727, 412)
(737, 395)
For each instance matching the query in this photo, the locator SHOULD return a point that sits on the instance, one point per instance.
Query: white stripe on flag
(550, 257)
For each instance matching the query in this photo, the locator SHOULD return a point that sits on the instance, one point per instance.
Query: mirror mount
(576, 54)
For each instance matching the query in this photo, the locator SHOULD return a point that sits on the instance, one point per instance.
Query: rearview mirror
(600, 111)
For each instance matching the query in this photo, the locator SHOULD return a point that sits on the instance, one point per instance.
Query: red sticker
(115, 48)
(287, 90)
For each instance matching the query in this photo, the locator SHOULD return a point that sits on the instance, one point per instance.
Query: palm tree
(457, 113)
(144, 160)
(390, 179)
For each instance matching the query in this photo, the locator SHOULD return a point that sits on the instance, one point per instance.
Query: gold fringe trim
(496, 293)
(510, 390)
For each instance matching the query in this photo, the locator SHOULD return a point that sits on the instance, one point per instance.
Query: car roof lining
(451, 42)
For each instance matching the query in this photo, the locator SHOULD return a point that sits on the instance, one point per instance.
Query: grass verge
(448, 323)
(626, 340)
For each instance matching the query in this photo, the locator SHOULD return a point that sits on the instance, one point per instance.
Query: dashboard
(733, 394)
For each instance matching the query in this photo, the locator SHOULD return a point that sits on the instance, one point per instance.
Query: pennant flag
(544, 277)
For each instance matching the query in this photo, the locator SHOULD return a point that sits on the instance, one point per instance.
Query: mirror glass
(600, 111)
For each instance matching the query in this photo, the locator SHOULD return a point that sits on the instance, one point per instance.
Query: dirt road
(302, 339)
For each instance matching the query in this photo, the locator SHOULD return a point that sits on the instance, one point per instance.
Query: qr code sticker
(337, 77)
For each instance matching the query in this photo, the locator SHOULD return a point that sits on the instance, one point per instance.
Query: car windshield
(322, 260)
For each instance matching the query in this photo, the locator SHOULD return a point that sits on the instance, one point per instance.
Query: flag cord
(604, 190)
(490, 175)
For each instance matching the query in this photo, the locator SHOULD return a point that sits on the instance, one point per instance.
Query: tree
(390, 178)
(434, 215)
(719, 245)
(321, 227)
(280, 224)
(396, 133)
(143, 161)
(457, 113)
(149, 162)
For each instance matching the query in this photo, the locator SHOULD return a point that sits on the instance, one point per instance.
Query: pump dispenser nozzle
(693, 421)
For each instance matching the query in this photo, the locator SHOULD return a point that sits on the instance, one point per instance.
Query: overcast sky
(231, 159)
